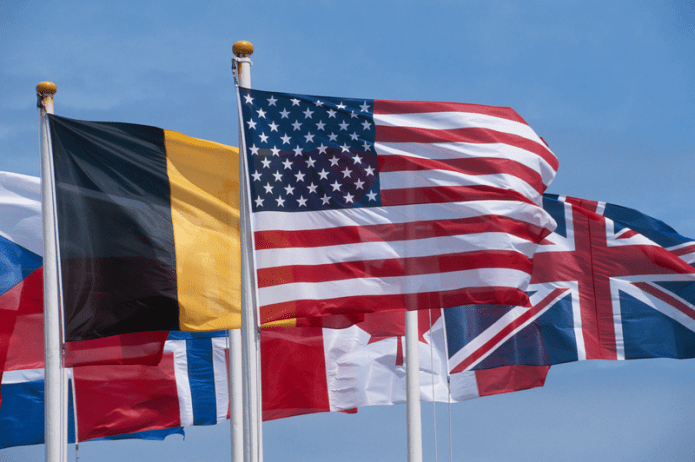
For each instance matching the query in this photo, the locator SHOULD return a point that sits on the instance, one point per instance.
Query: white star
(276, 151)
(371, 196)
(301, 201)
(353, 136)
(357, 159)
(285, 139)
(248, 98)
(325, 199)
(295, 102)
(312, 188)
(289, 190)
(256, 176)
(353, 114)
(345, 147)
(298, 151)
(266, 163)
(335, 185)
(308, 113)
(349, 198)
(287, 164)
(264, 137)
(284, 114)
(259, 202)
(332, 137)
(367, 146)
(341, 106)
(299, 176)
(278, 176)
(322, 149)
(344, 125)
(254, 150)
(310, 162)
(273, 127)
(359, 184)
(309, 137)
(272, 100)
(319, 103)
(334, 161)
(261, 113)
(296, 124)
(369, 171)
(331, 113)
(364, 107)
(323, 174)
(281, 201)
(252, 124)
(366, 125)
(268, 188)
(347, 173)
(320, 125)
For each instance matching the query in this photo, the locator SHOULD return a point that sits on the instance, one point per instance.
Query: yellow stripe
(204, 179)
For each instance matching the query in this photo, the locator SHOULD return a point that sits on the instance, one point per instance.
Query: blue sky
(608, 85)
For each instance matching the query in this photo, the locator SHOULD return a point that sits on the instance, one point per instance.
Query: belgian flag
(148, 229)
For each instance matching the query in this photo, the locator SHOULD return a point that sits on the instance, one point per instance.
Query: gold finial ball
(242, 48)
(46, 88)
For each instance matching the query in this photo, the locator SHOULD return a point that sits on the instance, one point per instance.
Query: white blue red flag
(609, 283)
(368, 205)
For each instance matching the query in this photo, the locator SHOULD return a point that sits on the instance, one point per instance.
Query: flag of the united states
(366, 205)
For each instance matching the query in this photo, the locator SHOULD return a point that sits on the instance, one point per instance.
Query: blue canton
(309, 153)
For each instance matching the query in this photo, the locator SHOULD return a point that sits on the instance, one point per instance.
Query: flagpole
(250, 331)
(412, 387)
(53, 423)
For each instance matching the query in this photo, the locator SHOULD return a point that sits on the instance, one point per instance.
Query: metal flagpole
(236, 396)
(250, 327)
(412, 387)
(53, 417)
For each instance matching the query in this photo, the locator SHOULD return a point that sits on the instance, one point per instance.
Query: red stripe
(684, 250)
(666, 298)
(507, 330)
(393, 267)
(398, 232)
(509, 378)
(386, 134)
(466, 166)
(434, 195)
(417, 107)
(374, 303)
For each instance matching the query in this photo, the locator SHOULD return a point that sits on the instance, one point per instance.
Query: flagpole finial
(46, 89)
(44, 94)
(242, 49)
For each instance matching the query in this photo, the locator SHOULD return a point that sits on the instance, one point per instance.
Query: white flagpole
(53, 422)
(250, 327)
(412, 387)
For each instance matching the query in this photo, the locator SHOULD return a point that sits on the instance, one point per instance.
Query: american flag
(366, 205)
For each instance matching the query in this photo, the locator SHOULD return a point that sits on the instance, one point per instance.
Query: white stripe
(20, 202)
(377, 251)
(453, 120)
(438, 178)
(22, 376)
(421, 283)
(326, 219)
(437, 151)
(183, 386)
(219, 365)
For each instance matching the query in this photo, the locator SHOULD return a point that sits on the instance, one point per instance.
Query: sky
(608, 85)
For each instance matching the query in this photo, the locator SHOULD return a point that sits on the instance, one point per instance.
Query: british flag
(609, 283)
